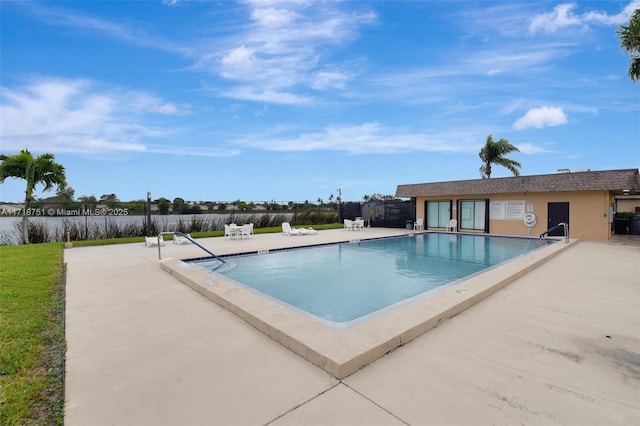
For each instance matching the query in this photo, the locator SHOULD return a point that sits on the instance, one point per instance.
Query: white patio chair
(235, 231)
(247, 231)
(418, 225)
(348, 225)
(179, 239)
(232, 232)
(452, 226)
(358, 225)
(153, 241)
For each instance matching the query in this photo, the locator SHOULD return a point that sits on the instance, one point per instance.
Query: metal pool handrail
(553, 228)
(188, 238)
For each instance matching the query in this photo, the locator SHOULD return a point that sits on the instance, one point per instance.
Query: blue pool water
(340, 283)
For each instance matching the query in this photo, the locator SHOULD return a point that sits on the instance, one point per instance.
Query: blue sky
(291, 100)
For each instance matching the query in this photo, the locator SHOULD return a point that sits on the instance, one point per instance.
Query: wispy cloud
(126, 32)
(528, 148)
(509, 60)
(249, 93)
(80, 116)
(283, 47)
(199, 151)
(146, 103)
(367, 138)
(470, 72)
(505, 51)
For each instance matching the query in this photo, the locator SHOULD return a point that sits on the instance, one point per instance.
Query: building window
(473, 215)
(438, 213)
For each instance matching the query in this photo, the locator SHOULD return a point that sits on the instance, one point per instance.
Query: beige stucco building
(527, 205)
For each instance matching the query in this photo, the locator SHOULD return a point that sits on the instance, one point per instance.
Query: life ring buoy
(530, 220)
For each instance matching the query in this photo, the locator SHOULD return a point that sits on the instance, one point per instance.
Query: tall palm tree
(494, 153)
(630, 41)
(39, 170)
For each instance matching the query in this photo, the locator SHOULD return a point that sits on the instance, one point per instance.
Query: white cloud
(272, 17)
(247, 93)
(283, 46)
(167, 108)
(239, 63)
(78, 116)
(200, 151)
(618, 19)
(563, 16)
(545, 116)
(146, 103)
(367, 138)
(129, 33)
(528, 148)
(329, 79)
(51, 107)
(508, 61)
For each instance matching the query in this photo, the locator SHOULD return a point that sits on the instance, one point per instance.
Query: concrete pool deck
(560, 345)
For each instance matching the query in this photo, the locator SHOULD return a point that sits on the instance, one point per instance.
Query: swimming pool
(341, 284)
(341, 351)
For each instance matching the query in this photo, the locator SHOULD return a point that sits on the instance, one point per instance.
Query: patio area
(560, 345)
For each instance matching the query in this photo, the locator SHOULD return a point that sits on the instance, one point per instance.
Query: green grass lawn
(32, 341)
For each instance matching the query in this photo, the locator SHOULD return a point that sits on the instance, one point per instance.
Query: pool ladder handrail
(565, 226)
(188, 238)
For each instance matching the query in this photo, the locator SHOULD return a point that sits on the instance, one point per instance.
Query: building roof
(607, 180)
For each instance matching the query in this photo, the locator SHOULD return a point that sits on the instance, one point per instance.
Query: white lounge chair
(179, 239)
(288, 230)
(307, 231)
(452, 226)
(153, 241)
(418, 225)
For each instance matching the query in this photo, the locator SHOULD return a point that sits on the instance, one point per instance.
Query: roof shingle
(608, 180)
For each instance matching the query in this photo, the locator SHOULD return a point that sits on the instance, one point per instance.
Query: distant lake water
(56, 225)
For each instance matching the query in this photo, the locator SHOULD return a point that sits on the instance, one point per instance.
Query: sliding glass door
(438, 213)
(474, 214)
